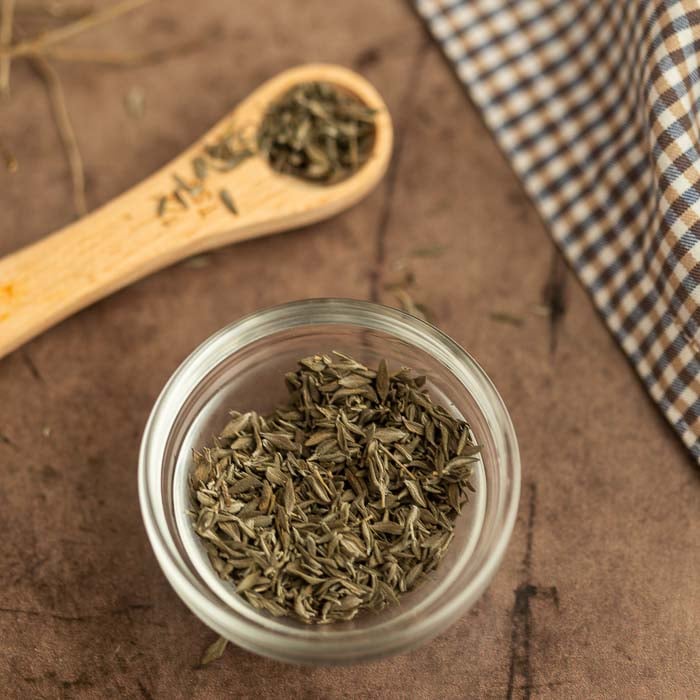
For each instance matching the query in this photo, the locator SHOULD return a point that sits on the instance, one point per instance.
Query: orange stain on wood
(204, 196)
(205, 211)
(7, 290)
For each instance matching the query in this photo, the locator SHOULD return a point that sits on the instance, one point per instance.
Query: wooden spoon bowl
(127, 239)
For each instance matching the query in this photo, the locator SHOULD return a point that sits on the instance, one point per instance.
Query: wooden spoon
(126, 239)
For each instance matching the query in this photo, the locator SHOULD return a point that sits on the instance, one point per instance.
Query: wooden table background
(598, 596)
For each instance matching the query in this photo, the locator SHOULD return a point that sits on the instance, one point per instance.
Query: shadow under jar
(242, 367)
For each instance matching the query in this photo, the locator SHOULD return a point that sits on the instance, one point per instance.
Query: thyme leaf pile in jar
(339, 501)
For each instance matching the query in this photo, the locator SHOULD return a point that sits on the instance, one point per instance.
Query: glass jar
(242, 367)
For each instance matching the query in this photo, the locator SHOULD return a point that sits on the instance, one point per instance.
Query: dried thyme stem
(8, 7)
(109, 58)
(121, 58)
(57, 10)
(65, 129)
(39, 44)
(214, 651)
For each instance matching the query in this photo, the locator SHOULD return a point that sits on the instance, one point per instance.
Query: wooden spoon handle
(127, 239)
(45, 282)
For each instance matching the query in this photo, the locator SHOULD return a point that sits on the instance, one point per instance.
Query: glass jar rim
(299, 645)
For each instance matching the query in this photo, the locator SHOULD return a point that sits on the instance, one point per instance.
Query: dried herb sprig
(124, 58)
(223, 155)
(317, 132)
(214, 651)
(49, 44)
(55, 10)
(66, 132)
(37, 45)
(7, 8)
(339, 501)
(227, 199)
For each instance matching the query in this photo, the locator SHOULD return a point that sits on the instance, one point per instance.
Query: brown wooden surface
(598, 596)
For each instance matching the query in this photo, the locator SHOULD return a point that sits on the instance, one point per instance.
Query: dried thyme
(214, 651)
(314, 131)
(318, 133)
(227, 199)
(199, 166)
(178, 194)
(341, 500)
(506, 317)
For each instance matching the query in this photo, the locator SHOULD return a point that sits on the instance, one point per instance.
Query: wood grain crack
(520, 675)
(554, 297)
(401, 124)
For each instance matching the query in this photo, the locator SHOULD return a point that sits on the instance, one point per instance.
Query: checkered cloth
(595, 103)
